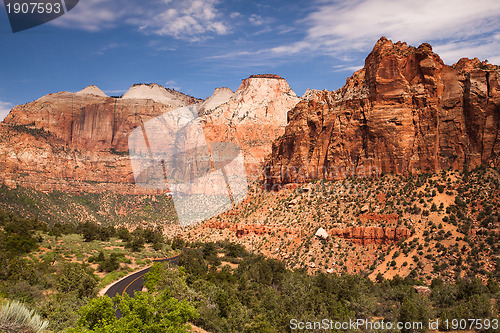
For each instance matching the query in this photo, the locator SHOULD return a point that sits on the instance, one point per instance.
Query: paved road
(135, 282)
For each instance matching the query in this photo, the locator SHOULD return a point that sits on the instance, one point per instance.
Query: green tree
(144, 313)
(162, 276)
(89, 231)
(98, 313)
(415, 308)
(77, 278)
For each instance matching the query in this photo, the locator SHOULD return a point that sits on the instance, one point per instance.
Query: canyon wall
(405, 112)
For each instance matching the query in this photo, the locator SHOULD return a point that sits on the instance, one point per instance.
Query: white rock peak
(219, 97)
(92, 90)
(263, 97)
(156, 93)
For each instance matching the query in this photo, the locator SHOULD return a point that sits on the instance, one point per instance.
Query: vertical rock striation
(404, 112)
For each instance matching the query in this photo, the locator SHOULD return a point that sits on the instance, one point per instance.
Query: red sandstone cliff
(252, 118)
(79, 141)
(405, 112)
(74, 141)
(371, 235)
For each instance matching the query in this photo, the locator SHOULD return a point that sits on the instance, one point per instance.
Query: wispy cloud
(159, 45)
(95, 15)
(336, 27)
(346, 68)
(115, 92)
(108, 47)
(339, 28)
(189, 19)
(482, 48)
(172, 85)
(4, 109)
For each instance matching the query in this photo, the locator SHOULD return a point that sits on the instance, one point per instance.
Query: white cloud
(483, 48)
(189, 19)
(172, 85)
(255, 19)
(336, 27)
(347, 68)
(4, 109)
(94, 15)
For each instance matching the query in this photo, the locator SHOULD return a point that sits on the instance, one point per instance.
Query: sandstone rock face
(219, 97)
(160, 94)
(404, 112)
(79, 141)
(253, 117)
(242, 230)
(92, 90)
(74, 141)
(371, 235)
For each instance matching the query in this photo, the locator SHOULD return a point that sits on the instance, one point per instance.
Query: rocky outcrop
(321, 233)
(74, 141)
(92, 90)
(159, 94)
(371, 235)
(219, 97)
(404, 112)
(241, 230)
(78, 142)
(253, 117)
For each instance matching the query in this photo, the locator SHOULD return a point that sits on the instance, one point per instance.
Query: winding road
(135, 282)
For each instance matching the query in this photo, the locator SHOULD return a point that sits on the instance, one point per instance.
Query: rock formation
(321, 233)
(74, 141)
(404, 112)
(92, 90)
(219, 97)
(79, 141)
(371, 235)
(160, 94)
(253, 117)
(241, 230)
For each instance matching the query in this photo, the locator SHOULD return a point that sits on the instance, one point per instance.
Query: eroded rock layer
(78, 142)
(371, 235)
(404, 112)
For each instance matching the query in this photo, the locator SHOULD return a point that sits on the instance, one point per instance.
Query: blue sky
(195, 46)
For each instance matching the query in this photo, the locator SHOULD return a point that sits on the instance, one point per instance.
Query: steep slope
(159, 94)
(404, 112)
(78, 142)
(74, 141)
(424, 226)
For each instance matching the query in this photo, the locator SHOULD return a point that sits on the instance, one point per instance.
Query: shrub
(16, 317)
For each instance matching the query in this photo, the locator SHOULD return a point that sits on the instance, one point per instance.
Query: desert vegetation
(55, 270)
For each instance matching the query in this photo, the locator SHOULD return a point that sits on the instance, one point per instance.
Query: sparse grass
(112, 277)
(61, 207)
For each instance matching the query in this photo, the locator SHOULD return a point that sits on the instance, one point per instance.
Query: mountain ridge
(404, 112)
(78, 142)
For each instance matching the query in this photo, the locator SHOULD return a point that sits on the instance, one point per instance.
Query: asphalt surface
(135, 282)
